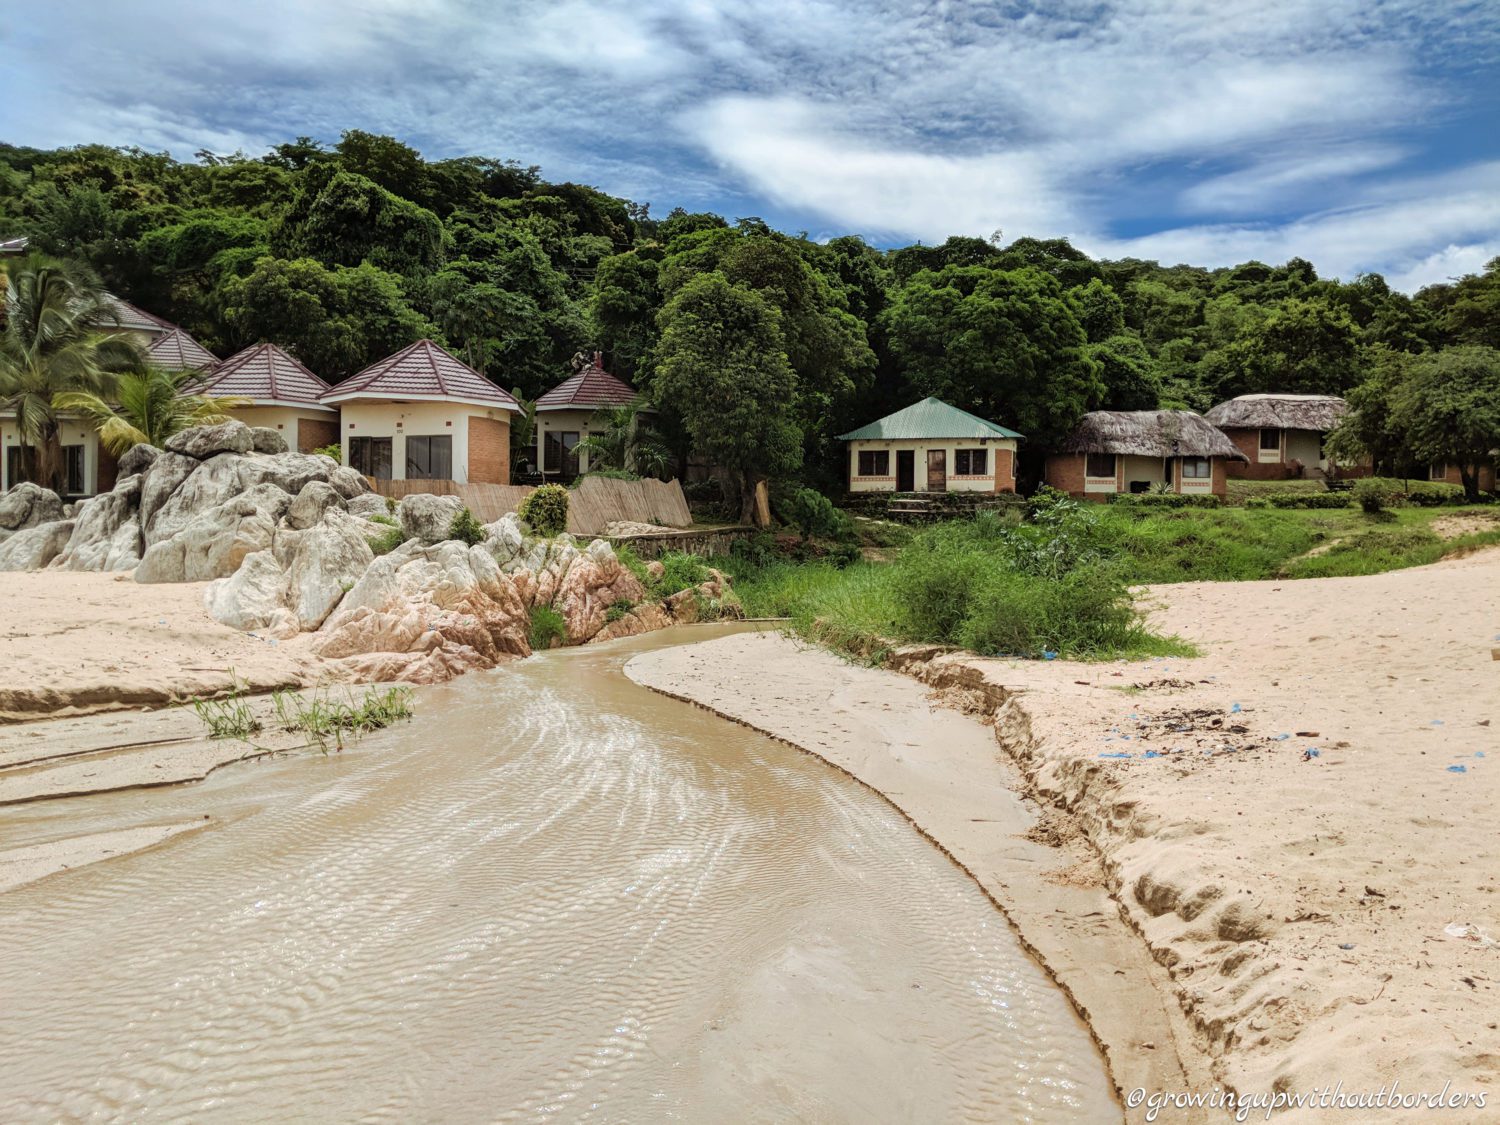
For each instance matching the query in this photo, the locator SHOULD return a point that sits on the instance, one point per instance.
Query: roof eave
(385, 396)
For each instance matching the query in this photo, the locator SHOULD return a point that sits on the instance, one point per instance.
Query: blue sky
(1360, 134)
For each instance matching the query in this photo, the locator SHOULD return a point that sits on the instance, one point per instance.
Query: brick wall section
(1219, 467)
(1064, 472)
(316, 433)
(1005, 470)
(1248, 443)
(489, 451)
(1486, 477)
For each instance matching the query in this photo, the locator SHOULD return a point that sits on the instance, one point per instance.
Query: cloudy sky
(1361, 134)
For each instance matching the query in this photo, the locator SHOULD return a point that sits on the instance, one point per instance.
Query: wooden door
(906, 470)
(937, 470)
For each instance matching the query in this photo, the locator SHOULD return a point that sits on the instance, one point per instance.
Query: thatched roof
(1279, 412)
(1149, 433)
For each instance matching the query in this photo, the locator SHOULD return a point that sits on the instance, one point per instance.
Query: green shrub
(1372, 496)
(632, 562)
(545, 509)
(389, 539)
(336, 451)
(618, 609)
(1307, 500)
(679, 572)
(547, 627)
(814, 515)
(1156, 499)
(465, 528)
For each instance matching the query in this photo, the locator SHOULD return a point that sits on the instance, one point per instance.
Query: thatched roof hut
(1279, 412)
(1149, 433)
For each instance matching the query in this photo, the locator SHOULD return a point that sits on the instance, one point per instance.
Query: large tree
(56, 341)
(1448, 409)
(1003, 344)
(721, 364)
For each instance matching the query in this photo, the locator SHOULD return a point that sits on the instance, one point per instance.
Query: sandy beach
(75, 643)
(1300, 825)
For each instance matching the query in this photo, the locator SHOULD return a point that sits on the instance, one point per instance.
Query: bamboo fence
(595, 503)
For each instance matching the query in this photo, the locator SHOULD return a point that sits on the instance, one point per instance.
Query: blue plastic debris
(1281, 738)
(1310, 752)
(1346, 945)
(1048, 655)
(1458, 769)
(1234, 709)
(1437, 722)
(1152, 754)
(1117, 754)
(1479, 753)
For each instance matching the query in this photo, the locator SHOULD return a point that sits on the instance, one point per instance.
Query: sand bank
(19, 866)
(73, 643)
(1301, 853)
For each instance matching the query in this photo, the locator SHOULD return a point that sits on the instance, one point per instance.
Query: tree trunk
(43, 461)
(1469, 474)
(755, 503)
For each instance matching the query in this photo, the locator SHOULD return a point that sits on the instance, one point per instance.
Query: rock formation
(284, 541)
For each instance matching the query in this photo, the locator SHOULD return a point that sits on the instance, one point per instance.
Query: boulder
(595, 581)
(427, 517)
(210, 484)
(264, 439)
(32, 548)
(27, 505)
(504, 538)
(349, 482)
(106, 533)
(289, 472)
(205, 441)
(683, 606)
(642, 619)
(367, 505)
(215, 542)
(253, 597)
(162, 477)
(315, 498)
(137, 459)
(323, 563)
(427, 613)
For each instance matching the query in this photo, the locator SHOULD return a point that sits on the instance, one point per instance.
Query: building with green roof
(932, 447)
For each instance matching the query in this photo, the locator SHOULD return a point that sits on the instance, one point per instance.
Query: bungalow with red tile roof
(136, 323)
(564, 413)
(178, 351)
(423, 414)
(283, 395)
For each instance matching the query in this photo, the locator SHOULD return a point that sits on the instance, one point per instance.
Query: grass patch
(332, 720)
(547, 626)
(229, 717)
(389, 539)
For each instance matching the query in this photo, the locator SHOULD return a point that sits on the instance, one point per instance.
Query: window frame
(964, 459)
(879, 461)
(369, 464)
(1275, 446)
(1088, 466)
(1187, 468)
(75, 457)
(426, 447)
(566, 453)
(1437, 471)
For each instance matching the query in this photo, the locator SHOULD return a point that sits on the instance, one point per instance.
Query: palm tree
(53, 345)
(152, 405)
(618, 440)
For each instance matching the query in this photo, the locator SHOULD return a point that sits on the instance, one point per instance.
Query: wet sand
(552, 895)
(1321, 917)
(75, 643)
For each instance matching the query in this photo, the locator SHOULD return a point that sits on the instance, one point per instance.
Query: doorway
(906, 470)
(937, 470)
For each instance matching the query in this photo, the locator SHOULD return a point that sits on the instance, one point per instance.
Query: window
(73, 483)
(429, 458)
(15, 465)
(970, 462)
(560, 450)
(1438, 470)
(1100, 465)
(1196, 468)
(1270, 440)
(371, 456)
(874, 463)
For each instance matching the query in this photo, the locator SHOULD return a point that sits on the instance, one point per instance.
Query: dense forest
(759, 345)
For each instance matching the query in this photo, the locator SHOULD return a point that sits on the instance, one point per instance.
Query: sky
(1363, 135)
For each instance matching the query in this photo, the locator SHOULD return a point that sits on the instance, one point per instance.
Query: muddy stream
(552, 896)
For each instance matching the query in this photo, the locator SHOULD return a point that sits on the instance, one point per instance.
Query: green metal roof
(931, 418)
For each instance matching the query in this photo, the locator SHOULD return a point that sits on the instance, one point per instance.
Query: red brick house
(1282, 436)
(1128, 451)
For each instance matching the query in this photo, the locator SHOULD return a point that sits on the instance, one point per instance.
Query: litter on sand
(1117, 754)
(1467, 931)
(1458, 769)
(1235, 709)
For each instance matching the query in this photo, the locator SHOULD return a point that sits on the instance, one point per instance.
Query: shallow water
(553, 896)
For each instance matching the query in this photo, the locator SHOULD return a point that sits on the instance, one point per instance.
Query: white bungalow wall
(985, 483)
(417, 419)
(73, 432)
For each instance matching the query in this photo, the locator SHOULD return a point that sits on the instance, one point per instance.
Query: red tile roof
(422, 371)
(127, 315)
(266, 374)
(177, 351)
(591, 387)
